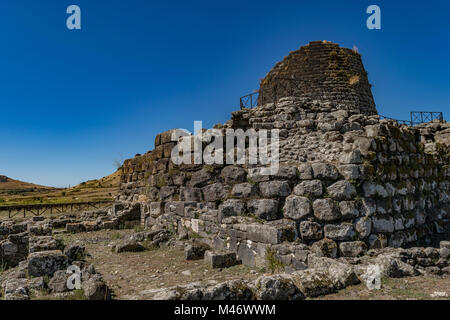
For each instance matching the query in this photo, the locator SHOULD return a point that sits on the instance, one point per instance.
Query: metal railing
(50, 208)
(284, 87)
(407, 122)
(418, 117)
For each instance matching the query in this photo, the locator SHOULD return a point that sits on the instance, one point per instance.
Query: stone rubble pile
(42, 262)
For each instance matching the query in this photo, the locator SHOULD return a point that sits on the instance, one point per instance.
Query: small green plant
(116, 236)
(273, 264)
(60, 245)
(194, 235)
(78, 294)
(138, 228)
(148, 245)
(3, 266)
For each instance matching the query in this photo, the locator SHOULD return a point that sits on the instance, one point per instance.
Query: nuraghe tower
(348, 181)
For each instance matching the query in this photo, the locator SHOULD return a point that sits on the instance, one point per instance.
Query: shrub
(273, 264)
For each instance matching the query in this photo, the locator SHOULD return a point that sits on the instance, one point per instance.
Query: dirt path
(129, 273)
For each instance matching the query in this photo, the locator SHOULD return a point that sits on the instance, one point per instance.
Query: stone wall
(348, 181)
(322, 71)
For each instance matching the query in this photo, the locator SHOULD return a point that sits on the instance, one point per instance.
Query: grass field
(16, 193)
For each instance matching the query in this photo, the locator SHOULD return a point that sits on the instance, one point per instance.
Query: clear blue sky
(74, 101)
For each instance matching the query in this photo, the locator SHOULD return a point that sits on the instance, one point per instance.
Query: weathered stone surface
(42, 243)
(233, 174)
(372, 189)
(326, 210)
(217, 259)
(342, 190)
(341, 274)
(58, 283)
(352, 249)
(363, 226)
(266, 209)
(341, 232)
(278, 287)
(46, 263)
(75, 252)
(383, 224)
(129, 245)
(271, 189)
(352, 157)
(75, 227)
(16, 289)
(286, 173)
(244, 190)
(305, 171)
(195, 250)
(231, 207)
(296, 207)
(313, 282)
(95, 288)
(349, 209)
(325, 171)
(311, 188)
(326, 248)
(349, 171)
(310, 230)
(213, 192)
(271, 233)
(200, 178)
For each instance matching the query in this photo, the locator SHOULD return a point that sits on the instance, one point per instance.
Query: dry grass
(94, 190)
(411, 288)
(129, 273)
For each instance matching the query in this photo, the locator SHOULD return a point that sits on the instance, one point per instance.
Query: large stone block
(271, 233)
(296, 207)
(342, 190)
(264, 208)
(310, 230)
(46, 263)
(383, 224)
(311, 188)
(220, 259)
(352, 249)
(326, 210)
(231, 207)
(341, 232)
(244, 190)
(325, 171)
(214, 192)
(271, 189)
(233, 174)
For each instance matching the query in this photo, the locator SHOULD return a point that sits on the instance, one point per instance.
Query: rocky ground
(131, 273)
(124, 261)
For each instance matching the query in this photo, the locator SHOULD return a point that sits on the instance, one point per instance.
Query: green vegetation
(272, 262)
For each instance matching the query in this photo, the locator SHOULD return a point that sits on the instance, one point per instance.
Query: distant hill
(8, 185)
(14, 192)
(111, 181)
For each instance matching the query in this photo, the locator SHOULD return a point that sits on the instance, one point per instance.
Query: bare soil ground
(129, 273)
(410, 288)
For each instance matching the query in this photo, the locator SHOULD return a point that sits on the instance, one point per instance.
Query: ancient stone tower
(321, 71)
(348, 181)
